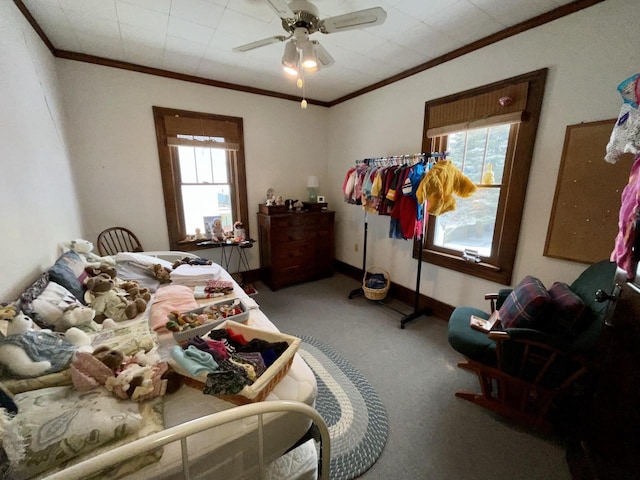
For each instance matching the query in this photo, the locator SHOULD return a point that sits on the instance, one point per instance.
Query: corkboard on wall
(584, 218)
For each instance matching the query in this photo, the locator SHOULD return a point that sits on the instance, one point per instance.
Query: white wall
(37, 194)
(588, 54)
(113, 145)
(111, 139)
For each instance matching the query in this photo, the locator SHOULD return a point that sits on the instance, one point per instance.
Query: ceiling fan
(300, 20)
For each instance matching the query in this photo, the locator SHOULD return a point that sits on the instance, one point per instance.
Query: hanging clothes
(625, 136)
(626, 252)
(394, 186)
(440, 184)
(390, 186)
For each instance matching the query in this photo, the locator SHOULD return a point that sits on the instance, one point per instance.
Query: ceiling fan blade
(324, 57)
(260, 43)
(281, 7)
(359, 19)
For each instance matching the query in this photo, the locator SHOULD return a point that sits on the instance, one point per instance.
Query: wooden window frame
(499, 267)
(171, 182)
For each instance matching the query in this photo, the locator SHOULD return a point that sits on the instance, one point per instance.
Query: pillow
(30, 294)
(568, 309)
(69, 271)
(527, 305)
(51, 304)
(56, 424)
(73, 261)
(142, 259)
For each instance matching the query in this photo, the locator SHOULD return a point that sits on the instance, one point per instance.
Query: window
(203, 173)
(488, 133)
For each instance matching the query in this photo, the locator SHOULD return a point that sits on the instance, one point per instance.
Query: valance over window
(478, 111)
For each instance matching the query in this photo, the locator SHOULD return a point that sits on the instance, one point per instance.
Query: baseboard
(250, 276)
(400, 293)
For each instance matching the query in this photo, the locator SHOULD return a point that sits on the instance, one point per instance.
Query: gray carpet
(432, 434)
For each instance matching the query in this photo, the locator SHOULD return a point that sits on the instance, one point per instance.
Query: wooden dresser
(295, 247)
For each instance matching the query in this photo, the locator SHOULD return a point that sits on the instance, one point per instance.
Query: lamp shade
(309, 61)
(312, 182)
(290, 58)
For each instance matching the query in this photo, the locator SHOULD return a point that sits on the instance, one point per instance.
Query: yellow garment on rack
(439, 185)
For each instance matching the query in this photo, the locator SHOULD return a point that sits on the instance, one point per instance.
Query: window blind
(479, 110)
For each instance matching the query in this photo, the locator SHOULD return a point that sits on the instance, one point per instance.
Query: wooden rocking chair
(525, 373)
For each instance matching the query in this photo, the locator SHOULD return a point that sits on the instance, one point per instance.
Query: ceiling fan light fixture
(290, 70)
(309, 60)
(290, 58)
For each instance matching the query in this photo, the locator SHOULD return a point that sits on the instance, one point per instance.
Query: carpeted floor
(432, 434)
(351, 408)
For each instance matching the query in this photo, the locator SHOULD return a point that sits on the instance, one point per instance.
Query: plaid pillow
(527, 304)
(569, 309)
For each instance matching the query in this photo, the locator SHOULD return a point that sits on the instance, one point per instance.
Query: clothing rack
(389, 161)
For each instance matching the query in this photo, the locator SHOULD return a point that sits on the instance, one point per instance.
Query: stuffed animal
(163, 274)
(75, 316)
(110, 357)
(109, 301)
(26, 352)
(138, 377)
(84, 248)
(135, 292)
(80, 245)
(102, 268)
(8, 311)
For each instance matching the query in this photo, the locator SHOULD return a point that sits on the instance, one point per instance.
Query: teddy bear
(109, 301)
(162, 274)
(137, 377)
(135, 292)
(26, 353)
(95, 270)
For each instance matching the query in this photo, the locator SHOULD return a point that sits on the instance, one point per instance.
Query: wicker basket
(262, 387)
(375, 293)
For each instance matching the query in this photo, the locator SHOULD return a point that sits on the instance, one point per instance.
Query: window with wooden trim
(203, 173)
(489, 134)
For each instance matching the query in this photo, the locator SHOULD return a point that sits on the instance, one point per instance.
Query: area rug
(351, 408)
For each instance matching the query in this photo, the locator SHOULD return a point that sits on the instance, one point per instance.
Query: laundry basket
(375, 293)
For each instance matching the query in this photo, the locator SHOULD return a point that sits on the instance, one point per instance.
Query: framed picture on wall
(320, 198)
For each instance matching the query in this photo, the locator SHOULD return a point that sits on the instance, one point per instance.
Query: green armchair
(529, 365)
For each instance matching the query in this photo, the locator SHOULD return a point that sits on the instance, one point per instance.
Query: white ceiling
(195, 37)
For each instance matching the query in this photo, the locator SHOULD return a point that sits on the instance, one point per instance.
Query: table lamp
(312, 184)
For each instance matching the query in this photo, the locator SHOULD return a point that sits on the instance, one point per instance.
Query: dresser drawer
(295, 254)
(290, 221)
(288, 235)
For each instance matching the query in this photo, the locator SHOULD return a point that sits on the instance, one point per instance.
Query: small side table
(227, 253)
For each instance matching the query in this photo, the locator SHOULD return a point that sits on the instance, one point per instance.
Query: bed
(206, 437)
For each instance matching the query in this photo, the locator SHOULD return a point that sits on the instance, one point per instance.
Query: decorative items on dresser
(295, 247)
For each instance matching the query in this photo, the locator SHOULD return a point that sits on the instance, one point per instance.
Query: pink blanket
(168, 299)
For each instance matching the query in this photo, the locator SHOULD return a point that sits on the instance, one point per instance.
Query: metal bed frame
(181, 432)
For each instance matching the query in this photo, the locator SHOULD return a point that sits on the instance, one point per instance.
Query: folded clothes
(192, 275)
(224, 382)
(376, 281)
(218, 286)
(200, 292)
(193, 360)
